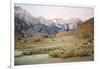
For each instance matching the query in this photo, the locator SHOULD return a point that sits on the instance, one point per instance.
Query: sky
(51, 12)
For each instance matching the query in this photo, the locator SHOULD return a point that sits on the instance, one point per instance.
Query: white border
(54, 3)
(12, 32)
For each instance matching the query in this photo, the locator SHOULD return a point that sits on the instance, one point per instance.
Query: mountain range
(28, 25)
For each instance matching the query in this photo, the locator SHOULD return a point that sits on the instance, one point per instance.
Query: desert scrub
(55, 53)
(37, 40)
(26, 53)
(81, 52)
(91, 50)
(50, 49)
(67, 54)
(85, 36)
(29, 52)
(61, 54)
(42, 51)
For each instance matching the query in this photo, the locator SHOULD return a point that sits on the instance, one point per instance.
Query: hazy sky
(50, 12)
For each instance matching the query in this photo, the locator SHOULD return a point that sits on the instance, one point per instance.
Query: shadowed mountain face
(26, 25)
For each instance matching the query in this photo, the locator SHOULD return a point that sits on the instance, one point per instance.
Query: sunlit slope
(85, 31)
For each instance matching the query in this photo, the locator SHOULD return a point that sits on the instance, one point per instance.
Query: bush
(19, 38)
(37, 40)
(85, 36)
(45, 36)
(55, 53)
(61, 54)
(67, 54)
(91, 50)
(81, 52)
(25, 53)
(31, 53)
(75, 52)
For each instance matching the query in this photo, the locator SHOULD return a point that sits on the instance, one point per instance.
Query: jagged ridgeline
(28, 26)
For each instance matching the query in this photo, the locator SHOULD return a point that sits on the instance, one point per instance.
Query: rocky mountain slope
(85, 30)
(26, 25)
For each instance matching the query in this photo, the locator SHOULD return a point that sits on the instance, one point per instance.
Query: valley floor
(66, 42)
